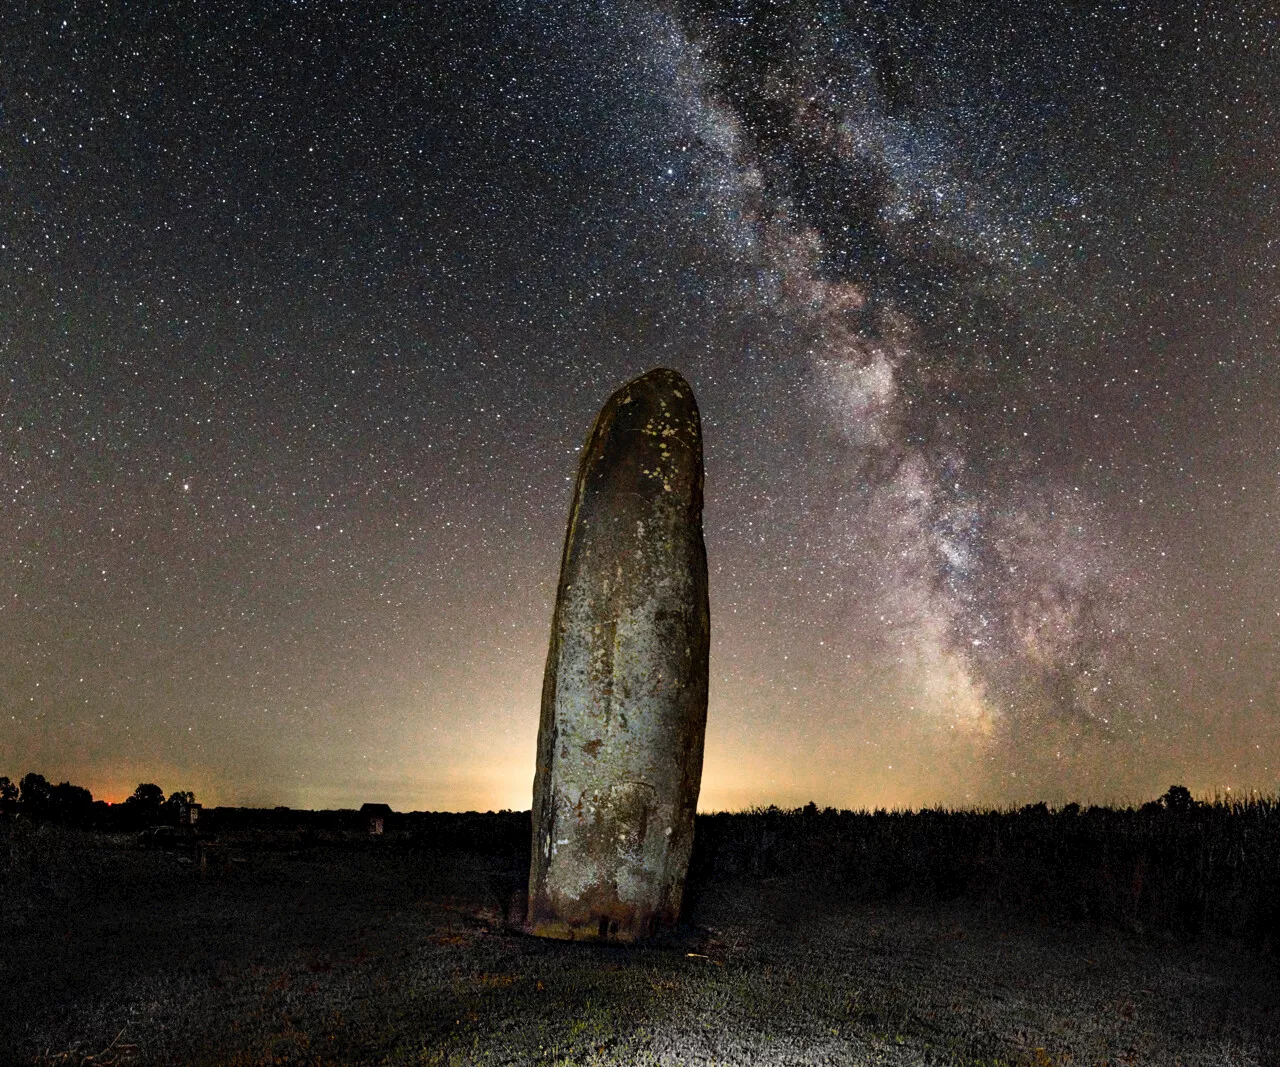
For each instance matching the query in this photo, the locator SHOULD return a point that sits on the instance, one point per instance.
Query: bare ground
(355, 953)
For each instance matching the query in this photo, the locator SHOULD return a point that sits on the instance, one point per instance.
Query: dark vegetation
(959, 938)
(73, 806)
(1175, 865)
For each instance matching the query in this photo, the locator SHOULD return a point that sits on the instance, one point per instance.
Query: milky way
(903, 282)
(305, 312)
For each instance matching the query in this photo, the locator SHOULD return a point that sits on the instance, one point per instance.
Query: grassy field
(298, 947)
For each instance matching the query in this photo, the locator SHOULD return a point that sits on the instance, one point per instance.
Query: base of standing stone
(563, 931)
(624, 927)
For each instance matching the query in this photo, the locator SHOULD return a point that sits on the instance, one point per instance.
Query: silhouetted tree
(147, 795)
(34, 798)
(143, 807)
(70, 804)
(64, 803)
(1178, 799)
(8, 794)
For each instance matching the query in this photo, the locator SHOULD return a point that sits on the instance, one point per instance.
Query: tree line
(35, 797)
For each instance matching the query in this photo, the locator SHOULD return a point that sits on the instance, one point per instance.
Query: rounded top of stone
(646, 439)
(662, 375)
(662, 384)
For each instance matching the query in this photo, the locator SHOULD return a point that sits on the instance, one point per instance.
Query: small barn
(375, 817)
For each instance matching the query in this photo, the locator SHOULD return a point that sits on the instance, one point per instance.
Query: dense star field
(305, 310)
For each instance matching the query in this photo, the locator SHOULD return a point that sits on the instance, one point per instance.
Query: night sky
(306, 309)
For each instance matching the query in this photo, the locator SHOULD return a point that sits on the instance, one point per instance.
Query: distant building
(185, 812)
(375, 816)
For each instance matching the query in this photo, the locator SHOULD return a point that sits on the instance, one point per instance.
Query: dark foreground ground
(292, 949)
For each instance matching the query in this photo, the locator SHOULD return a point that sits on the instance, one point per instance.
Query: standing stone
(624, 698)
